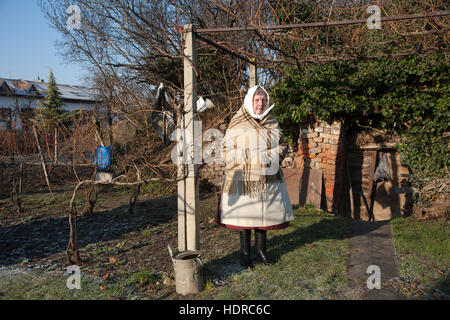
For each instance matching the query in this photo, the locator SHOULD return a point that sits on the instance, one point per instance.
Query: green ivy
(409, 96)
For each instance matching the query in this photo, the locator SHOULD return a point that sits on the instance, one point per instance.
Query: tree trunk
(19, 192)
(43, 161)
(56, 145)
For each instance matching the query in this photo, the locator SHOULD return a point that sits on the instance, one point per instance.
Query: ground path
(371, 244)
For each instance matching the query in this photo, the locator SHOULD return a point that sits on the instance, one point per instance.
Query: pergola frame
(188, 189)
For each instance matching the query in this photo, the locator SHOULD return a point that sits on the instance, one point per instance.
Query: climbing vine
(408, 96)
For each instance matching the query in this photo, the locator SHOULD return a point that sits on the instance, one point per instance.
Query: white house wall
(11, 103)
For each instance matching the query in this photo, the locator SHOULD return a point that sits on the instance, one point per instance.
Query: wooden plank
(292, 179)
(314, 194)
(373, 161)
(388, 203)
(349, 177)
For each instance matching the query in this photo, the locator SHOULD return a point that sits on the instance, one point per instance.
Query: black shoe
(246, 260)
(260, 244)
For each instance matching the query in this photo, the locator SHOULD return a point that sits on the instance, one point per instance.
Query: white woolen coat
(269, 208)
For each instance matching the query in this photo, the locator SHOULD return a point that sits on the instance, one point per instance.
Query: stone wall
(214, 172)
(321, 146)
(323, 151)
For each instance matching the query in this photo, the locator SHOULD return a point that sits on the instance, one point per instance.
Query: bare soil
(115, 245)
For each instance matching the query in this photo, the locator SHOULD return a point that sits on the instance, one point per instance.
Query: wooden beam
(191, 191)
(326, 23)
(253, 73)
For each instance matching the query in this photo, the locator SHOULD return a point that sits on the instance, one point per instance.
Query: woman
(254, 195)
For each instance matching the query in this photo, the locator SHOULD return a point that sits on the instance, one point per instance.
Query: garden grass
(423, 251)
(311, 263)
(38, 285)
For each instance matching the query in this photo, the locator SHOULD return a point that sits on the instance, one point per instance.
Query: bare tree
(133, 46)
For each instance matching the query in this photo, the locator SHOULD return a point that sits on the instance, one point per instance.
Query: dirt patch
(114, 244)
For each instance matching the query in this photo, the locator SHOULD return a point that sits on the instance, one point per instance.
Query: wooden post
(253, 73)
(181, 177)
(352, 209)
(189, 194)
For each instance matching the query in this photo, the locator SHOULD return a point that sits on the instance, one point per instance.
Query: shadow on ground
(42, 238)
(336, 228)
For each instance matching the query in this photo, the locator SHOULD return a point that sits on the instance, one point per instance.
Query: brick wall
(289, 159)
(321, 146)
(213, 172)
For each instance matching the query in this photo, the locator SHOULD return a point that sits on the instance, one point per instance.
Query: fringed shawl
(251, 164)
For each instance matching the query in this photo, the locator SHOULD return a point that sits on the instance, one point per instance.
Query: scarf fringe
(238, 186)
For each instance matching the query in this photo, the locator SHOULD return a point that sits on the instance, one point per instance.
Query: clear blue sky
(27, 46)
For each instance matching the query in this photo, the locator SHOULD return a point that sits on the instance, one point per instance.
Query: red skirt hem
(276, 227)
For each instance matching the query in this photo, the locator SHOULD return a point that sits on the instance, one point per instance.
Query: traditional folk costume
(254, 195)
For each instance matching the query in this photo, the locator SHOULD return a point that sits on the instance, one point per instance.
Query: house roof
(21, 87)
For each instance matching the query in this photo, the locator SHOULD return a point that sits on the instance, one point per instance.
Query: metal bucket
(188, 272)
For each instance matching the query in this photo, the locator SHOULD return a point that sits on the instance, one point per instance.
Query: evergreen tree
(52, 110)
(51, 114)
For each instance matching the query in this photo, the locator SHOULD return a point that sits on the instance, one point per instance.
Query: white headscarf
(248, 103)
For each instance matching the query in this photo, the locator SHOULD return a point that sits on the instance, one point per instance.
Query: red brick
(329, 136)
(332, 152)
(319, 139)
(333, 147)
(312, 135)
(330, 176)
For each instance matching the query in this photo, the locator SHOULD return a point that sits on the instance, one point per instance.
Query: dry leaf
(112, 260)
(106, 276)
(102, 288)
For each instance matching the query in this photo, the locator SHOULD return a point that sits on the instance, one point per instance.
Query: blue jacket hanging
(102, 157)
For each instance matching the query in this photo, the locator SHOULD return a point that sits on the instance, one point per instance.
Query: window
(5, 114)
(5, 118)
(26, 114)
